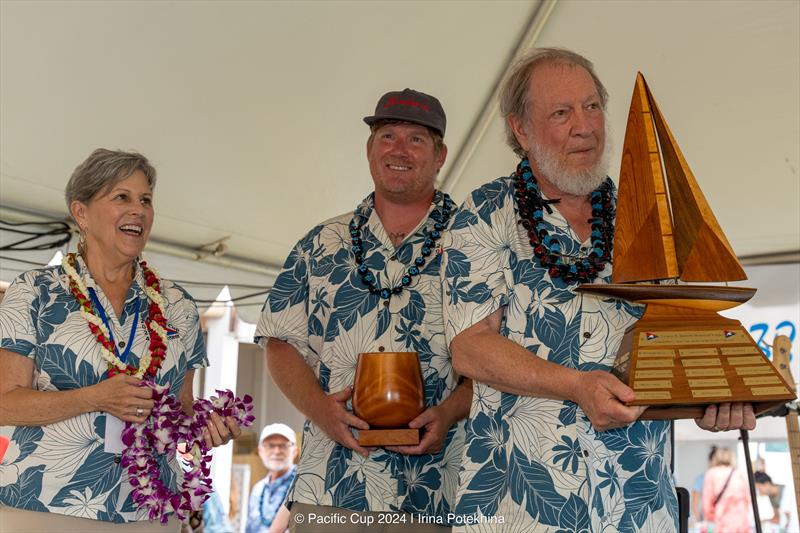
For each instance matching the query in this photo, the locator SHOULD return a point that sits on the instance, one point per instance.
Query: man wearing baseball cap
(368, 281)
(277, 448)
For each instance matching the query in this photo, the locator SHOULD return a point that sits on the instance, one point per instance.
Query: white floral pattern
(319, 305)
(62, 467)
(535, 462)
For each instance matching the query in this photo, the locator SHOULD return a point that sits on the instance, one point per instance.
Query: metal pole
(752, 481)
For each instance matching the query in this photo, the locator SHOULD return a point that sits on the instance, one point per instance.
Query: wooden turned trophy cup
(388, 394)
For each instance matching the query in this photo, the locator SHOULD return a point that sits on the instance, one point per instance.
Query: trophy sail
(644, 249)
(697, 234)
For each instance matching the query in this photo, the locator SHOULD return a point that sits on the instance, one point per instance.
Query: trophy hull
(681, 356)
(388, 394)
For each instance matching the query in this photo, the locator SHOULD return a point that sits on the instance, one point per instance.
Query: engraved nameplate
(767, 391)
(708, 393)
(654, 363)
(762, 380)
(753, 370)
(656, 353)
(664, 384)
(697, 383)
(651, 374)
(715, 336)
(711, 361)
(692, 352)
(738, 350)
(736, 361)
(703, 372)
(653, 395)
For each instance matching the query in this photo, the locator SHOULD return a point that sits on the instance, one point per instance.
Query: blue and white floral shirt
(265, 500)
(320, 306)
(62, 467)
(533, 463)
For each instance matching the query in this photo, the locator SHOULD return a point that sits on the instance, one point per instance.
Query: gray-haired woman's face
(117, 222)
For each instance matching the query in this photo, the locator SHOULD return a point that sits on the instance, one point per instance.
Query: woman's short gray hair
(514, 98)
(102, 170)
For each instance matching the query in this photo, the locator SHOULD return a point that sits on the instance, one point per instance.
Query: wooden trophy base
(388, 437)
(681, 356)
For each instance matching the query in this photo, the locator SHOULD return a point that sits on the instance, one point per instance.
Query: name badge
(113, 440)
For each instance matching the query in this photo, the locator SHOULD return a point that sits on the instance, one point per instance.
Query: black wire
(48, 223)
(57, 228)
(15, 246)
(265, 289)
(51, 232)
(62, 228)
(245, 297)
(214, 284)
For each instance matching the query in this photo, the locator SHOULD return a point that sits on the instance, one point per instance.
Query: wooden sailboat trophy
(681, 355)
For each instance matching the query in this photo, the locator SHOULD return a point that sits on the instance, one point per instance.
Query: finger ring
(139, 411)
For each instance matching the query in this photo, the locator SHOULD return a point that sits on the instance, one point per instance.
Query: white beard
(570, 181)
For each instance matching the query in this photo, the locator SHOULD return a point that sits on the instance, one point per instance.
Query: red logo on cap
(393, 100)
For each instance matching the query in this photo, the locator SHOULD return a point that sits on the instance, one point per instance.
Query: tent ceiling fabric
(251, 111)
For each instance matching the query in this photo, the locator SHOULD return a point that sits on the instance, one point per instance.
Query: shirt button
(386, 303)
(381, 348)
(586, 334)
(121, 344)
(117, 459)
(586, 453)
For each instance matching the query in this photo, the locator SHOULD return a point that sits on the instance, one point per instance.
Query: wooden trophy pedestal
(388, 394)
(388, 437)
(681, 356)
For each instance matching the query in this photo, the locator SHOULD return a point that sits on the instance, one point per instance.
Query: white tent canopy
(251, 111)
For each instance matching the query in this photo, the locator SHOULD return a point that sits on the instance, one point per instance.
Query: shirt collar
(135, 291)
(366, 209)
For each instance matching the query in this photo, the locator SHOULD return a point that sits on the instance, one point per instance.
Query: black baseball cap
(412, 106)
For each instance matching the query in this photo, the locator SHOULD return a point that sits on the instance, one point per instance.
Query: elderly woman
(75, 343)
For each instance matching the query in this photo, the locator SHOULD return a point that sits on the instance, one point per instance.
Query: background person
(726, 495)
(769, 497)
(62, 472)
(277, 448)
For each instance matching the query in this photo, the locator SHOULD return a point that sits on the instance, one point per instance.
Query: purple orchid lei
(167, 426)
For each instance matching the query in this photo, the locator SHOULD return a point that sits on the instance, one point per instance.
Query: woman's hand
(219, 431)
(124, 397)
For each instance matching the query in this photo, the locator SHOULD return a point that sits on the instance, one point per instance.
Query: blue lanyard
(102, 313)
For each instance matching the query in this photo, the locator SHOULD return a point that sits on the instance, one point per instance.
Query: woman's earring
(82, 240)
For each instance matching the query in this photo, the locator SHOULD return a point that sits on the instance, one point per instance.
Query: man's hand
(602, 397)
(727, 416)
(335, 420)
(435, 424)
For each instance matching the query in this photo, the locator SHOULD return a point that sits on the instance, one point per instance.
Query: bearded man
(551, 445)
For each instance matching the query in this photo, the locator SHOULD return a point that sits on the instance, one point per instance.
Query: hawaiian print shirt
(533, 463)
(265, 500)
(62, 467)
(320, 306)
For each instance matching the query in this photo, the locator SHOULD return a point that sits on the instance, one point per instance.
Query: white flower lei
(110, 357)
